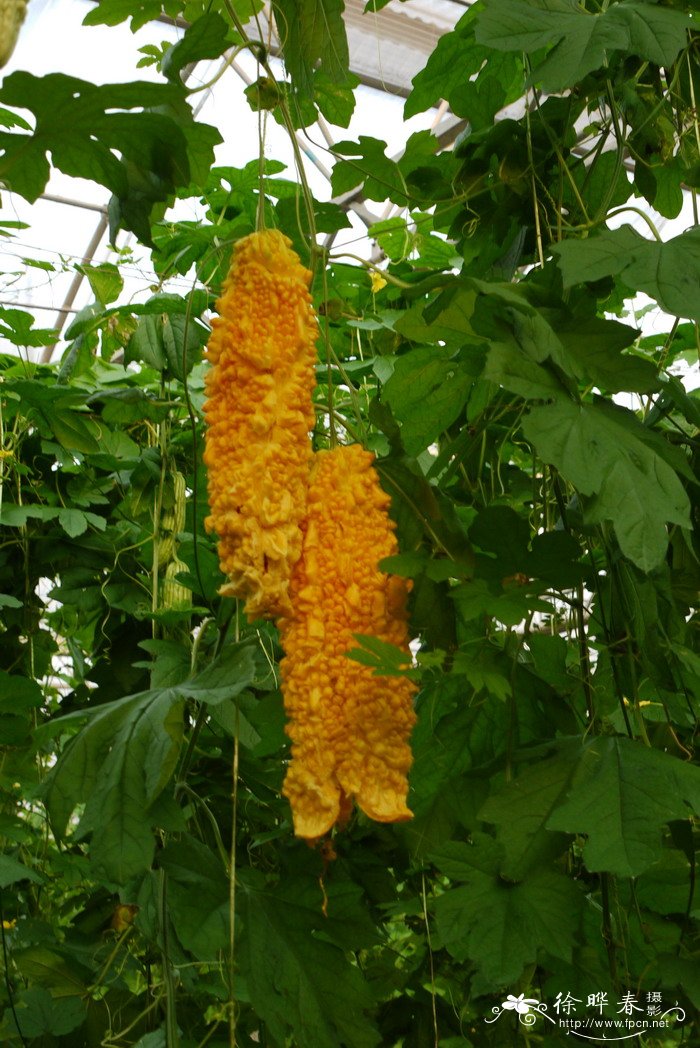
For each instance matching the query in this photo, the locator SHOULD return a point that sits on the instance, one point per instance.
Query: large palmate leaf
(112, 12)
(42, 1013)
(312, 33)
(603, 451)
(669, 272)
(618, 792)
(622, 793)
(455, 59)
(497, 924)
(198, 896)
(93, 132)
(426, 393)
(580, 40)
(301, 983)
(12, 872)
(522, 809)
(450, 743)
(118, 765)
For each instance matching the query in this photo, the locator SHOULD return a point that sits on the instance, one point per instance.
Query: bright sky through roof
(59, 234)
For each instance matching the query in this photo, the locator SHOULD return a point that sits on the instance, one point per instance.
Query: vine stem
(436, 1033)
(172, 1036)
(228, 60)
(607, 926)
(232, 1016)
(531, 164)
(390, 279)
(637, 211)
(232, 888)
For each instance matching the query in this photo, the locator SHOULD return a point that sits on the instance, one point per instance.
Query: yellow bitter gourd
(349, 728)
(12, 14)
(259, 415)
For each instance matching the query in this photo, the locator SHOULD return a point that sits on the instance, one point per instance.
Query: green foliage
(542, 462)
(581, 40)
(161, 147)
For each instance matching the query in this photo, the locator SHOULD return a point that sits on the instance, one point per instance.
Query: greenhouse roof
(68, 225)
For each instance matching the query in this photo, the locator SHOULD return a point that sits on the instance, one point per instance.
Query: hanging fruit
(12, 14)
(259, 416)
(349, 728)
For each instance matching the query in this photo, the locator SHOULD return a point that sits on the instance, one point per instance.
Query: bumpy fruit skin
(12, 14)
(349, 728)
(175, 595)
(259, 414)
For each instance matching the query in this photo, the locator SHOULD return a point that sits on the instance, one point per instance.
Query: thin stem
(228, 59)
(638, 211)
(533, 183)
(390, 279)
(431, 962)
(172, 1036)
(608, 937)
(232, 892)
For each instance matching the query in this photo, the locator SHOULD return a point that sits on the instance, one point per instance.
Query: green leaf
(183, 340)
(486, 670)
(522, 809)
(73, 521)
(169, 340)
(105, 280)
(581, 41)
(393, 237)
(662, 184)
(112, 12)
(18, 328)
(622, 794)
(498, 925)
(207, 37)
(157, 1039)
(385, 659)
(171, 662)
(13, 872)
(336, 100)
(479, 100)
(18, 693)
(198, 896)
(117, 766)
(312, 33)
(455, 59)
(510, 368)
(669, 272)
(665, 887)
(64, 977)
(39, 1013)
(12, 516)
(146, 344)
(367, 166)
(601, 450)
(426, 393)
(74, 431)
(84, 126)
(302, 985)
(233, 671)
(594, 347)
(449, 743)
